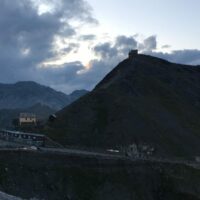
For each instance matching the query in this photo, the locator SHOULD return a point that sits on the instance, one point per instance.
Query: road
(81, 153)
(109, 156)
(65, 151)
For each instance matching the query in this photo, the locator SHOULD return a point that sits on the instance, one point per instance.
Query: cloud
(123, 41)
(34, 32)
(71, 76)
(120, 46)
(69, 48)
(124, 44)
(28, 37)
(109, 55)
(105, 50)
(149, 44)
(62, 73)
(187, 56)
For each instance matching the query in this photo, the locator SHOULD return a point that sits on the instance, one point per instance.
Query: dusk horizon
(99, 100)
(70, 45)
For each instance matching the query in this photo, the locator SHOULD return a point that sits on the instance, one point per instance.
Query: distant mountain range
(32, 97)
(144, 100)
(26, 94)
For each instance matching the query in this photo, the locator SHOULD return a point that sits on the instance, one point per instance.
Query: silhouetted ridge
(25, 94)
(143, 100)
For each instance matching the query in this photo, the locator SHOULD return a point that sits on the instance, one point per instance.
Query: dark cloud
(70, 47)
(121, 46)
(28, 38)
(59, 74)
(125, 42)
(71, 76)
(110, 54)
(187, 56)
(149, 44)
(105, 50)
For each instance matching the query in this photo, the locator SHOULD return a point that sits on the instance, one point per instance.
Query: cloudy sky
(72, 44)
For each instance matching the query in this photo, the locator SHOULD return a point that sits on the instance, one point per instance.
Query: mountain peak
(143, 100)
(144, 65)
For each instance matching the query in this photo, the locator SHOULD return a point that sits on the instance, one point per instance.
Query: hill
(144, 100)
(26, 94)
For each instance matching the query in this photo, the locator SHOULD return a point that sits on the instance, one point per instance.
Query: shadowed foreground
(57, 177)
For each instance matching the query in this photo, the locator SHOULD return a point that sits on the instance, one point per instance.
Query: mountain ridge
(25, 94)
(143, 100)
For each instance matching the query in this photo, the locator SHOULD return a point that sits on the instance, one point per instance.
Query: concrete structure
(27, 118)
(132, 53)
(23, 138)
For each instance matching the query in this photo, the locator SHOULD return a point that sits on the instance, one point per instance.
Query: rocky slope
(27, 94)
(144, 100)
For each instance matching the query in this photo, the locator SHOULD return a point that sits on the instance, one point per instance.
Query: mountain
(76, 95)
(144, 100)
(26, 94)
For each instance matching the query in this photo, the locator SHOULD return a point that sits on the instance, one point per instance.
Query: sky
(73, 44)
(173, 21)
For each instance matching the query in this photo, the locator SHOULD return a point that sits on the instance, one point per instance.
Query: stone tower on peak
(132, 53)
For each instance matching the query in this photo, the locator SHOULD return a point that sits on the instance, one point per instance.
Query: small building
(27, 119)
(132, 53)
(52, 118)
(23, 138)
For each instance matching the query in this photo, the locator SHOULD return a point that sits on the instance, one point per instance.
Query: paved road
(193, 164)
(108, 156)
(82, 152)
(66, 152)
